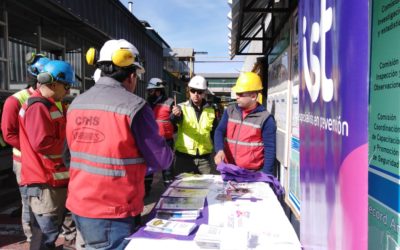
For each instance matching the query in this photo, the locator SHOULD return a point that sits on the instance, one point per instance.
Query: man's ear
(133, 75)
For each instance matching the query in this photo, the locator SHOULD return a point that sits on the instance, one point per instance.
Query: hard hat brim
(239, 89)
(154, 87)
(140, 69)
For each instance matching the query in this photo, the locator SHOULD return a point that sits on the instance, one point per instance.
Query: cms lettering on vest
(87, 120)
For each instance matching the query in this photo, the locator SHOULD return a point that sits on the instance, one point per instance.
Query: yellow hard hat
(247, 82)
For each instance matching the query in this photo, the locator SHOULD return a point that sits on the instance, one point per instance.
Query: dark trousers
(197, 164)
(167, 180)
(105, 233)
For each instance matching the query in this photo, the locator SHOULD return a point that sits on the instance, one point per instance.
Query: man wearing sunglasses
(42, 136)
(246, 135)
(196, 123)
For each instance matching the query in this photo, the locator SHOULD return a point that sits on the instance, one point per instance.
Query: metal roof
(179, 52)
(219, 75)
(250, 18)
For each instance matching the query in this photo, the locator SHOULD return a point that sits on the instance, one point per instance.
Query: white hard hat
(111, 46)
(198, 82)
(155, 83)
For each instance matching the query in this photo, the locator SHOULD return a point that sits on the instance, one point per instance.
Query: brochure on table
(251, 211)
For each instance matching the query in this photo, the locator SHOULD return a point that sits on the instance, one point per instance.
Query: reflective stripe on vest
(194, 135)
(244, 123)
(55, 114)
(107, 160)
(61, 175)
(103, 107)
(22, 112)
(244, 143)
(22, 96)
(16, 152)
(248, 144)
(98, 171)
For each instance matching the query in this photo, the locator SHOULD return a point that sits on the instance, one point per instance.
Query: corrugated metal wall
(112, 18)
(66, 29)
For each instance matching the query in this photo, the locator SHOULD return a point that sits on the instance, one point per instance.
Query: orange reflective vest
(244, 145)
(107, 169)
(41, 168)
(161, 113)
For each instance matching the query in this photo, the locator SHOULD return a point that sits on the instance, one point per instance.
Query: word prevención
(335, 125)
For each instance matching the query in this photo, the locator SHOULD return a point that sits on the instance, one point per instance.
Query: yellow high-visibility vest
(194, 135)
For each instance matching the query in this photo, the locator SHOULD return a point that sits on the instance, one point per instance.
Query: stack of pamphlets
(181, 203)
(170, 227)
(178, 214)
(214, 237)
(192, 183)
(208, 236)
(185, 192)
(189, 176)
(234, 239)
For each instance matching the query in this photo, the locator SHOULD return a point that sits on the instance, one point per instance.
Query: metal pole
(6, 84)
(130, 5)
(83, 68)
(193, 73)
(190, 67)
(64, 49)
(39, 38)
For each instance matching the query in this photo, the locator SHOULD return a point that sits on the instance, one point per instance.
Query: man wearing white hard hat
(196, 123)
(162, 107)
(113, 140)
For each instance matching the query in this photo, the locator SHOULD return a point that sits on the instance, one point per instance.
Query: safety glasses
(198, 91)
(244, 94)
(66, 86)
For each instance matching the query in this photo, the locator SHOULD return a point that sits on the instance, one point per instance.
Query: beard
(151, 98)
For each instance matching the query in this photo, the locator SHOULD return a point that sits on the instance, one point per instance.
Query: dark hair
(119, 74)
(32, 82)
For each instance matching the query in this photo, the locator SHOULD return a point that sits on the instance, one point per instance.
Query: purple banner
(333, 45)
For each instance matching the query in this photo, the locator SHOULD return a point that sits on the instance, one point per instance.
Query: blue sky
(198, 24)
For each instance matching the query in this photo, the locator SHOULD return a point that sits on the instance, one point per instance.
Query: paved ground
(12, 237)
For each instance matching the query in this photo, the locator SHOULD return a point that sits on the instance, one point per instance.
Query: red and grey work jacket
(41, 168)
(107, 169)
(161, 113)
(244, 145)
(20, 97)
